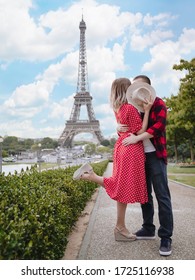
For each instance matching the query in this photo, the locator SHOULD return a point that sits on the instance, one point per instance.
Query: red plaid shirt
(156, 127)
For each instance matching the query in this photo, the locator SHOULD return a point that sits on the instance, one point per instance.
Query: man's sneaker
(143, 234)
(165, 247)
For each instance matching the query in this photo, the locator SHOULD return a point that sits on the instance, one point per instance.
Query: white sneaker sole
(162, 253)
(145, 237)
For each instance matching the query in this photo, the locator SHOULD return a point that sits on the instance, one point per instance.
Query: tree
(105, 142)
(112, 142)
(186, 102)
(28, 143)
(174, 129)
(90, 148)
(103, 150)
(48, 143)
(11, 145)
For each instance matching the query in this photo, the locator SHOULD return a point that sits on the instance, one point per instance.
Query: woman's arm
(147, 106)
(144, 123)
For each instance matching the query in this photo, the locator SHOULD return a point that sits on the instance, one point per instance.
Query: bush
(38, 210)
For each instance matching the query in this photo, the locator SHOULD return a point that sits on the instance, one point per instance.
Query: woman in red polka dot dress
(127, 183)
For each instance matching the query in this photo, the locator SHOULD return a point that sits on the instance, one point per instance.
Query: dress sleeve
(134, 119)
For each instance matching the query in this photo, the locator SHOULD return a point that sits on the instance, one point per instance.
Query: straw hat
(140, 91)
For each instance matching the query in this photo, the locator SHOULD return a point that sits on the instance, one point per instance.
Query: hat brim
(135, 87)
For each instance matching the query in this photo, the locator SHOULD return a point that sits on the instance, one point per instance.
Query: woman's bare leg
(121, 211)
(93, 177)
(121, 207)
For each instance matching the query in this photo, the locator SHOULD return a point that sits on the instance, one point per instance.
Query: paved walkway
(99, 244)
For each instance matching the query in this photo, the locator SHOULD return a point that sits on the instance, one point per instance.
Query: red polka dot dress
(128, 182)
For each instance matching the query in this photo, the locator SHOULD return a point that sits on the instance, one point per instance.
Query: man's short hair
(145, 78)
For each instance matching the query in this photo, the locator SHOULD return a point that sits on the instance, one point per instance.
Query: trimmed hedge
(38, 211)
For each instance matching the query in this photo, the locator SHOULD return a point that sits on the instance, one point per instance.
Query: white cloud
(106, 118)
(49, 131)
(20, 129)
(100, 88)
(62, 109)
(18, 30)
(65, 69)
(108, 125)
(106, 23)
(160, 20)
(151, 31)
(141, 42)
(29, 99)
(103, 67)
(28, 39)
(104, 109)
(33, 94)
(54, 32)
(187, 41)
(27, 129)
(165, 55)
(102, 60)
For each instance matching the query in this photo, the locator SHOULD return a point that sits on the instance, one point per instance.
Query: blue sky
(39, 55)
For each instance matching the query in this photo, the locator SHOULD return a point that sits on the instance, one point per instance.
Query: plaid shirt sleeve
(156, 127)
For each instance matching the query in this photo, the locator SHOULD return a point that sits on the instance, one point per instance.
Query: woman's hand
(122, 127)
(131, 139)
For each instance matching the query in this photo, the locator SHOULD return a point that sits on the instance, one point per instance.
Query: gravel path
(98, 242)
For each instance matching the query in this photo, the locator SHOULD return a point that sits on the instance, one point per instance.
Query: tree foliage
(90, 148)
(181, 109)
(14, 145)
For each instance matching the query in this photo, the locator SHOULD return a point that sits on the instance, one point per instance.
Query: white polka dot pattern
(128, 181)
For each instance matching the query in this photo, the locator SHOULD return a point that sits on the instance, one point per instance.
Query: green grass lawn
(177, 169)
(183, 179)
(182, 175)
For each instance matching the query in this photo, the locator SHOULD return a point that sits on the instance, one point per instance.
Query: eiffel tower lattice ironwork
(74, 125)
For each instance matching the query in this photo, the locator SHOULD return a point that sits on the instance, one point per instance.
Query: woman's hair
(143, 78)
(118, 92)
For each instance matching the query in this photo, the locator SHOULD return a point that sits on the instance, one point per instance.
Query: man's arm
(133, 139)
(153, 131)
(159, 125)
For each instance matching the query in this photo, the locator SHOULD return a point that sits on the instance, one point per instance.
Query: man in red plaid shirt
(156, 175)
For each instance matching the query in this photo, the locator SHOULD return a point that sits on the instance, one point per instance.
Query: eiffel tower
(74, 125)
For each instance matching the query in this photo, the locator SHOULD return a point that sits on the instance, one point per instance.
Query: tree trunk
(175, 149)
(191, 150)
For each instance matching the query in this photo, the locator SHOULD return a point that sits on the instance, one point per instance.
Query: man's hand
(131, 139)
(147, 105)
(122, 127)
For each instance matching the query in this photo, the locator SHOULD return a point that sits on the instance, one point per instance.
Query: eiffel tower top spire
(82, 83)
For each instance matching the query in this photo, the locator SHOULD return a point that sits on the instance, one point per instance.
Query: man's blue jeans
(156, 176)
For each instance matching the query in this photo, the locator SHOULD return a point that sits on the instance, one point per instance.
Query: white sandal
(85, 168)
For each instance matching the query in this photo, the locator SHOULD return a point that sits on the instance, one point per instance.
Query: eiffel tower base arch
(74, 128)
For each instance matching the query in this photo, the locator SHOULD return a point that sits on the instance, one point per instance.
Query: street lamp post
(1, 141)
(39, 156)
(58, 157)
